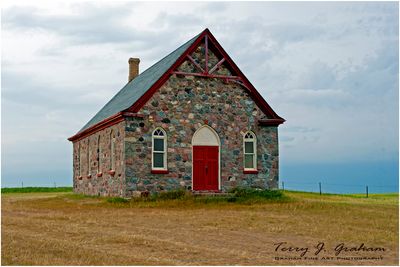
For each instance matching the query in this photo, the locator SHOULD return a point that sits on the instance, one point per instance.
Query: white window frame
(164, 137)
(98, 154)
(112, 150)
(253, 139)
(88, 157)
(79, 159)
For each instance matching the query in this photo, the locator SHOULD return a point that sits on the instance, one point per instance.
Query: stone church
(191, 121)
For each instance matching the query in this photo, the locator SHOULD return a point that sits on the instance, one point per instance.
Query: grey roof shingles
(133, 90)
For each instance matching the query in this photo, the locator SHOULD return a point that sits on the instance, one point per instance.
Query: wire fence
(320, 187)
(315, 187)
(51, 184)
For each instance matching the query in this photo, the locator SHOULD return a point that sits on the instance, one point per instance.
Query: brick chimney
(133, 68)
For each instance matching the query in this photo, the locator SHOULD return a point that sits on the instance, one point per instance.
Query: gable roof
(138, 91)
(133, 90)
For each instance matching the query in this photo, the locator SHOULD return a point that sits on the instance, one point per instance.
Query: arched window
(88, 156)
(98, 155)
(112, 150)
(159, 155)
(250, 151)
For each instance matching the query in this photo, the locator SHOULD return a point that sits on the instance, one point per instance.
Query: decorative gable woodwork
(205, 61)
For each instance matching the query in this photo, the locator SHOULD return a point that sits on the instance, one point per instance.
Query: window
(250, 151)
(159, 155)
(112, 150)
(98, 155)
(79, 159)
(88, 156)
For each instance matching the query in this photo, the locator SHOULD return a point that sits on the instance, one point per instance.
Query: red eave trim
(103, 124)
(271, 122)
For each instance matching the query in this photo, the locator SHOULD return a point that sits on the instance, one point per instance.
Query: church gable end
(189, 100)
(205, 57)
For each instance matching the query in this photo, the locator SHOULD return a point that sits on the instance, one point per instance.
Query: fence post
(283, 186)
(320, 190)
(366, 190)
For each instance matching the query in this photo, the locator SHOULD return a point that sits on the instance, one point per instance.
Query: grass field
(7, 190)
(60, 228)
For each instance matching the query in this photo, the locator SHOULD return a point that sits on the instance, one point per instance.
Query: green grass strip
(7, 190)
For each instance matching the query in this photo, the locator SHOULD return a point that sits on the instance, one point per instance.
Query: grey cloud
(214, 7)
(301, 129)
(331, 98)
(90, 24)
(286, 139)
(294, 32)
(179, 20)
(376, 78)
(23, 89)
(319, 76)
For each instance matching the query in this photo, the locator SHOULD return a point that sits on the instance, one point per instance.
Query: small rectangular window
(88, 157)
(79, 159)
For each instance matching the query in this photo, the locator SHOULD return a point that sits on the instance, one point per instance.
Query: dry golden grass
(64, 229)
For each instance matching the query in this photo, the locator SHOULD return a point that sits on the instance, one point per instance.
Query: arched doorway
(205, 160)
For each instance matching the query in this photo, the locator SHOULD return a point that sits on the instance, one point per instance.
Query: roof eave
(271, 122)
(120, 116)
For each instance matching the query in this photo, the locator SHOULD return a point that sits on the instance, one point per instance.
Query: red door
(205, 168)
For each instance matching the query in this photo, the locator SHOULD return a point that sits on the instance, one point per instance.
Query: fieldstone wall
(181, 106)
(92, 169)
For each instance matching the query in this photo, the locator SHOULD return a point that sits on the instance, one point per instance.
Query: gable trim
(240, 77)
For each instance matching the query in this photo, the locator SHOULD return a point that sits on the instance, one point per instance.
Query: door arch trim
(205, 136)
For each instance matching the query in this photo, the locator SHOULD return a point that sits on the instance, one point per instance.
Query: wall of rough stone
(181, 106)
(91, 180)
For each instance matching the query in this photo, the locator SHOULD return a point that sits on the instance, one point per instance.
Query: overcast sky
(330, 69)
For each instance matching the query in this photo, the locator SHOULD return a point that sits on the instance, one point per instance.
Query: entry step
(211, 193)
